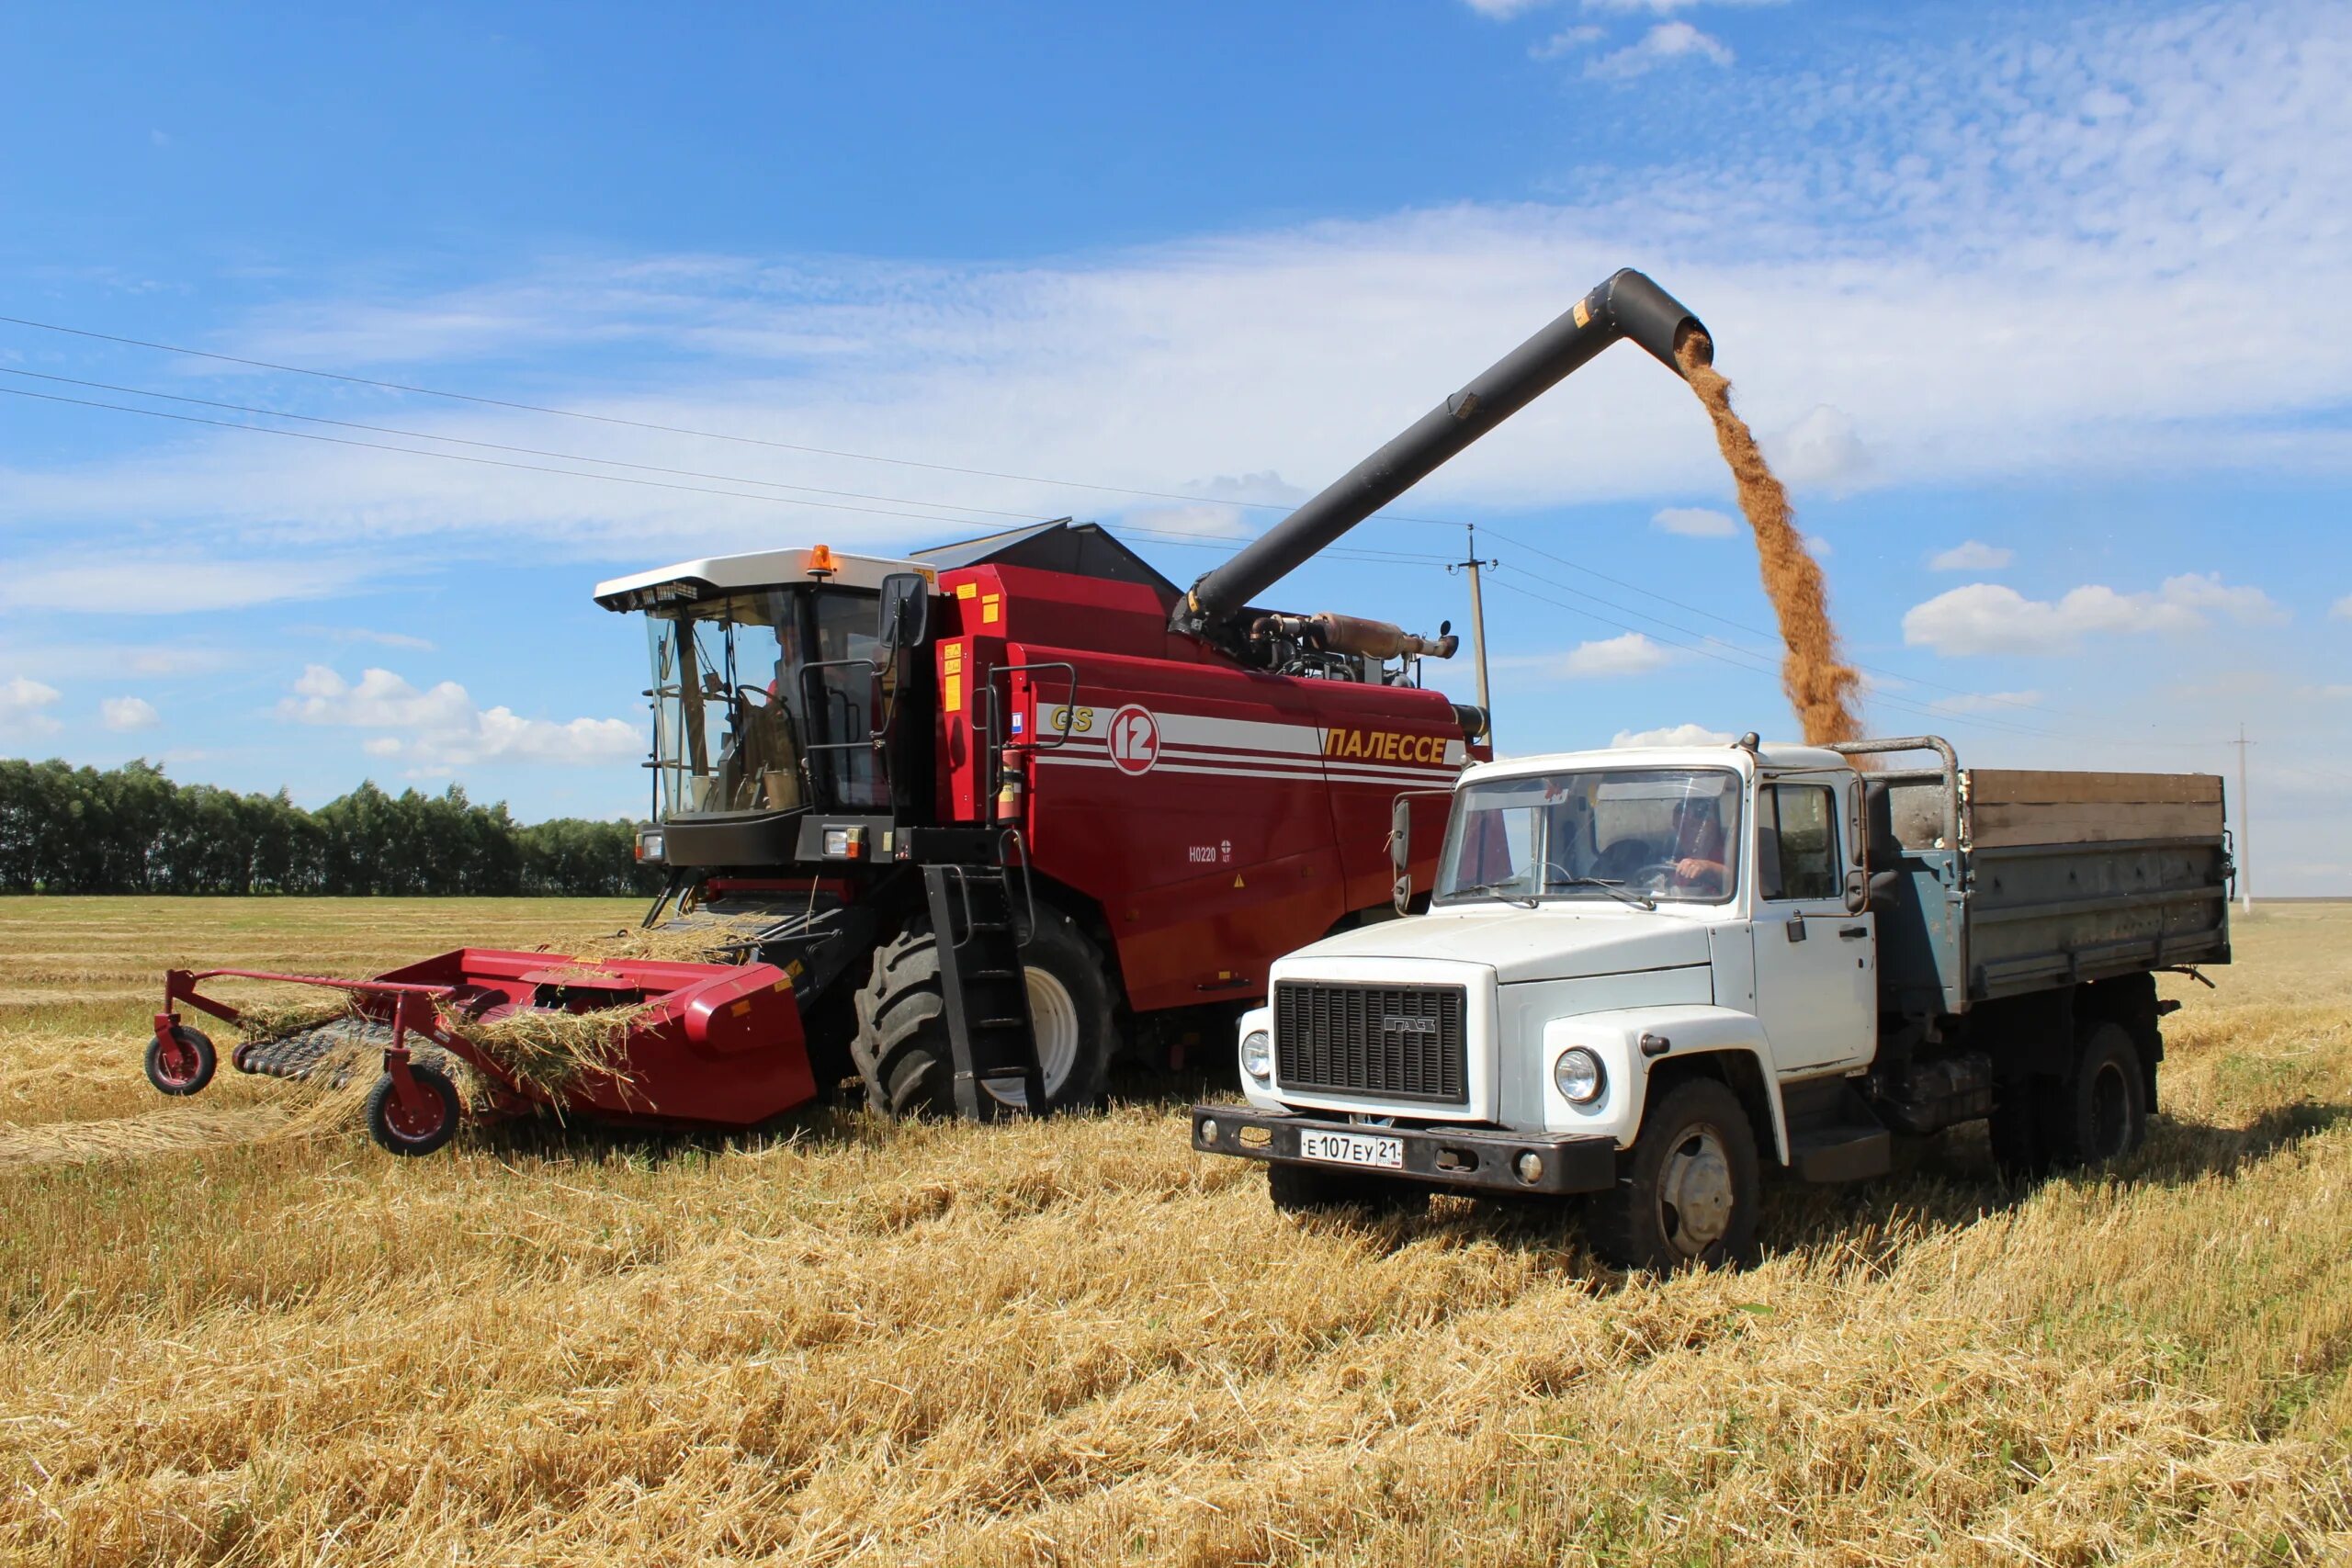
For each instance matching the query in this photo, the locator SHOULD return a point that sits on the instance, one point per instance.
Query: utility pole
(2246, 830)
(1479, 621)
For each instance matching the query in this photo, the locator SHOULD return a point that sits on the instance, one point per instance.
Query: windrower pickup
(1627, 306)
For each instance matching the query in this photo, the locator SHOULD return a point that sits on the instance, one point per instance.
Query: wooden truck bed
(2016, 881)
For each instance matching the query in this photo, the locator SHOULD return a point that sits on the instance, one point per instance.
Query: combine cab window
(750, 695)
(1667, 833)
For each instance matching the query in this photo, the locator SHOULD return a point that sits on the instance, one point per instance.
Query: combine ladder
(991, 1037)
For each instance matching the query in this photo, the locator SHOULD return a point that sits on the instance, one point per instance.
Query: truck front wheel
(1687, 1190)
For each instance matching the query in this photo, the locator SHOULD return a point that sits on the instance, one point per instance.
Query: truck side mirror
(904, 617)
(1400, 852)
(1875, 891)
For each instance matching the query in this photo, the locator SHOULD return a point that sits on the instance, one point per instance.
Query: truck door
(1816, 977)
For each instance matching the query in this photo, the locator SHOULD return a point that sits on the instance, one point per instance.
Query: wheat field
(236, 1332)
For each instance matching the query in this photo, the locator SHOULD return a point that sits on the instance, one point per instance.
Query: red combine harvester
(981, 806)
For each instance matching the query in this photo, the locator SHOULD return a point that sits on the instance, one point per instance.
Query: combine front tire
(901, 1043)
(411, 1131)
(183, 1067)
(1687, 1191)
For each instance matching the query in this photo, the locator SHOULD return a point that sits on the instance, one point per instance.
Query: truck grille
(1395, 1042)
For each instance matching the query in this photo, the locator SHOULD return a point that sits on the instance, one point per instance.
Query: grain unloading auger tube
(1627, 306)
(641, 1042)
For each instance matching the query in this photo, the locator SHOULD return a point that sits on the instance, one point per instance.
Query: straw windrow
(551, 1050)
(1077, 1341)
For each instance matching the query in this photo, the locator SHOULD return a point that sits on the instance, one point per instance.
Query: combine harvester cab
(624, 1040)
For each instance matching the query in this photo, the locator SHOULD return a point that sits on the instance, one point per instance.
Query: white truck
(1644, 976)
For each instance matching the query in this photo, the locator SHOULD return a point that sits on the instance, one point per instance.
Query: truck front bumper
(1472, 1157)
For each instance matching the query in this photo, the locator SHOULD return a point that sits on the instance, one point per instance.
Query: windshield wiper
(1614, 889)
(1493, 890)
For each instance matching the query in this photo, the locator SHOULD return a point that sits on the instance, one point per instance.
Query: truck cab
(1647, 974)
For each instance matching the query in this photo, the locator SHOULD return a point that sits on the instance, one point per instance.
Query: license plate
(1350, 1148)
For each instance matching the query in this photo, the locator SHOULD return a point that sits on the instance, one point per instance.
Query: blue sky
(2039, 310)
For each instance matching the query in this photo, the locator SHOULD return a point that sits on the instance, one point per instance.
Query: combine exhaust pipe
(1627, 306)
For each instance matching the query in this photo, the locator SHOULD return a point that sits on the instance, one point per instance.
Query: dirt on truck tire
(902, 1048)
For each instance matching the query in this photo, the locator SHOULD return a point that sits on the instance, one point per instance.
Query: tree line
(131, 829)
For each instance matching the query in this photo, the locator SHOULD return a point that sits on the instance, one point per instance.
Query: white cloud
(1987, 617)
(1667, 7)
(443, 729)
(1662, 45)
(1631, 654)
(1567, 40)
(2342, 608)
(1230, 508)
(163, 585)
(1987, 701)
(127, 713)
(23, 702)
(1820, 450)
(2247, 606)
(2137, 167)
(1972, 555)
(1504, 10)
(362, 634)
(1679, 735)
(1822, 548)
(1695, 522)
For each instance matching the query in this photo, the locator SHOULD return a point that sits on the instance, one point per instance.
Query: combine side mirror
(1400, 852)
(904, 619)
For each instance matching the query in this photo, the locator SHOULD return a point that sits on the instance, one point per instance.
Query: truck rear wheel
(1687, 1190)
(2091, 1119)
(2102, 1114)
(1314, 1189)
(901, 1048)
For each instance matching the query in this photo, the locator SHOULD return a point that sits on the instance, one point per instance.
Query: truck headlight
(1578, 1076)
(1257, 1054)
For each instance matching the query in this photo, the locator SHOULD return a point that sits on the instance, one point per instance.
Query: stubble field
(233, 1339)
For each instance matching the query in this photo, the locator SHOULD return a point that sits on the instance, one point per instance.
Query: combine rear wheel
(185, 1064)
(902, 1041)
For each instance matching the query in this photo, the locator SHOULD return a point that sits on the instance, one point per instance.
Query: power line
(633, 423)
(1759, 631)
(463, 458)
(1739, 658)
(1755, 664)
(2002, 699)
(500, 447)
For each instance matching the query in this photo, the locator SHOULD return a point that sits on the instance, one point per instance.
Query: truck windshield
(751, 690)
(1665, 833)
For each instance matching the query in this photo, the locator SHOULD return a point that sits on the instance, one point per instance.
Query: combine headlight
(649, 848)
(1577, 1073)
(1257, 1054)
